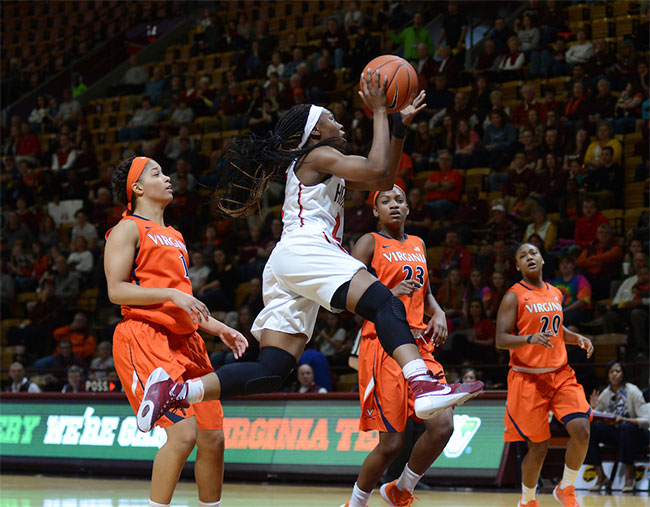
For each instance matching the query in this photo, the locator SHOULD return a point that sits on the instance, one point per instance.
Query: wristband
(399, 129)
(530, 337)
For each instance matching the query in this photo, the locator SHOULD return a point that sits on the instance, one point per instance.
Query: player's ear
(315, 133)
(375, 213)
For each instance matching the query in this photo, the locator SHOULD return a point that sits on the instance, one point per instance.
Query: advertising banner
(307, 436)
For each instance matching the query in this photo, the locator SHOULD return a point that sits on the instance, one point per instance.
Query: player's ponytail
(252, 162)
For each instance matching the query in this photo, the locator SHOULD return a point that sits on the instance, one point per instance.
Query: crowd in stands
(541, 136)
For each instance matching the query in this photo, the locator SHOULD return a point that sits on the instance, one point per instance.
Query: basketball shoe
(161, 394)
(566, 496)
(394, 497)
(347, 504)
(432, 396)
(532, 503)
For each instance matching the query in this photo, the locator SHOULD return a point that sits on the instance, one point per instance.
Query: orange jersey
(539, 311)
(393, 262)
(161, 261)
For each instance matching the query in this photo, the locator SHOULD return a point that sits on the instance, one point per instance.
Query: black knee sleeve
(340, 297)
(387, 312)
(266, 375)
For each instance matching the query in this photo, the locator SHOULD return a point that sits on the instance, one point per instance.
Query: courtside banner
(283, 435)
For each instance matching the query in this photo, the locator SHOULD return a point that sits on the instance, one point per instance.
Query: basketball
(402, 80)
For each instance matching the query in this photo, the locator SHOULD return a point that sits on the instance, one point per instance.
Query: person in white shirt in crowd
(198, 271)
(84, 229)
(81, 259)
(19, 382)
(103, 364)
(134, 79)
(581, 51)
(69, 110)
(306, 380)
(65, 156)
(630, 307)
(627, 430)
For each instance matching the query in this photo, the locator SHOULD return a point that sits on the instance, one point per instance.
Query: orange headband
(135, 171)
(373, 198)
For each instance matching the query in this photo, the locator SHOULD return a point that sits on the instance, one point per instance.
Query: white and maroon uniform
(308, 264)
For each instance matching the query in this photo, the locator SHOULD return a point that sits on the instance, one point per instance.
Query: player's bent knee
(579, 429)
(387, 312)
(211, 440)
(266, 375)
(390, 445)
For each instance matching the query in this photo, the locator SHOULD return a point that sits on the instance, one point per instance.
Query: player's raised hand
(405, 288)
(234, 340)
(437, 329)
(411, 111)
(195, 308)
(585, 344)
(543, 339)
(373, 93)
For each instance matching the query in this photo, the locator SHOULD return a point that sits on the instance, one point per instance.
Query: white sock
(408, 479)
(156, 504)
(527, 494)
(195, 390)
(359, 497)
(568, 477)
(414, 369)
(210, 504)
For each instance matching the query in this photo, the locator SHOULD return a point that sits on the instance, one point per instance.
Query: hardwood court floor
(33, 491)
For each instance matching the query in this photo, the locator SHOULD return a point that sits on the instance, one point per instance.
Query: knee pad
(387, 313)
(266, 375)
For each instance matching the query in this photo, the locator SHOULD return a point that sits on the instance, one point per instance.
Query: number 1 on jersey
(187, 273)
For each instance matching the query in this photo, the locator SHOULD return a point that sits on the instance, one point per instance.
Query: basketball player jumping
(530, 325)
(309, 268)
(386, 402)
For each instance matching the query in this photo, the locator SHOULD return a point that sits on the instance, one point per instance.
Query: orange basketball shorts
(532, 396)
(140, 347)
(386, 399)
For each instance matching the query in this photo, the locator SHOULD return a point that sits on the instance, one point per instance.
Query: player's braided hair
(118, 182)
(252, 162)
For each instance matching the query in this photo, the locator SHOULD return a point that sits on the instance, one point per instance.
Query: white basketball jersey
(316, 207)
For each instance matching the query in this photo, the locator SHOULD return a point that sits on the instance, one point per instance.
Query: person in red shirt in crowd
(425, 67)
(29, 146)
(549, 104)
(519, 116)
(502, 262)
(601, 261)
(447, 64)
(65, 156)
(443, 188)
(454, 255)
(577, 108)
(476, 341)
(587, 225)
(233, 107)
(358, 217)
(519, 171)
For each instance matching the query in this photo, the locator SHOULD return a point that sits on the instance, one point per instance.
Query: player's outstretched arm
(118, 263)
(231, 337)
(506, 319)
(577, 339)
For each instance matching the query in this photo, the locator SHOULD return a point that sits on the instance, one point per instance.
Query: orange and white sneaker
(394, 497)
(532, 503)
(566, 496)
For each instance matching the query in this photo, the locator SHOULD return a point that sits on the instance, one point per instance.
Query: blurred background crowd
(536, 129)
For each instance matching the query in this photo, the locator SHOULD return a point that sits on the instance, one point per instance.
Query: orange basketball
(402, 80)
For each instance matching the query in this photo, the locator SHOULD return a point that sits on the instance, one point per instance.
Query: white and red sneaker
(432, 396)
(161, 394)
